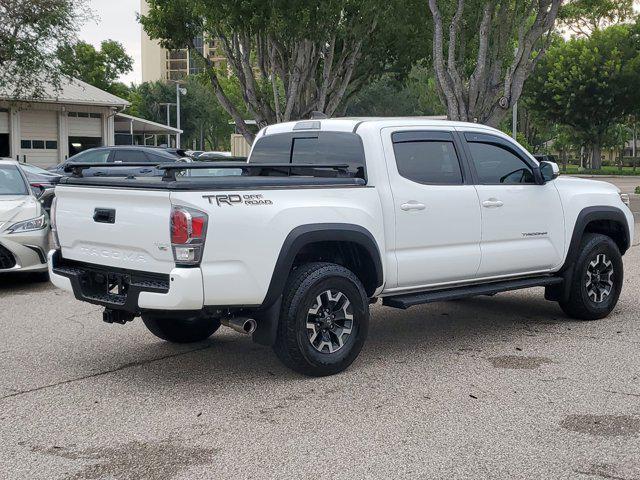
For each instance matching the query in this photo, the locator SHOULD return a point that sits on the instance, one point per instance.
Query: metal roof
(72, 92)
(123, 123)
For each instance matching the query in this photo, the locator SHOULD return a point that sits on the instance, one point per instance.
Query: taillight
(188, 233)
(55, 242)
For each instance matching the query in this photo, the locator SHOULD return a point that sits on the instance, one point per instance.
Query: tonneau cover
(232, 182)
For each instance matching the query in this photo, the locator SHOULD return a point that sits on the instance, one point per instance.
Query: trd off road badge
(235, 199)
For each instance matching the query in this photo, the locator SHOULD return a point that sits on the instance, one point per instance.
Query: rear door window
(130, 156)
(93, 156)
(427, 158)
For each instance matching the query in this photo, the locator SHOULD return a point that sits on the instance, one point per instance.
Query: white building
(50, 129)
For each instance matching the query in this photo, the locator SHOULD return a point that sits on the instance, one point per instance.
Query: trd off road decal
(235, 199)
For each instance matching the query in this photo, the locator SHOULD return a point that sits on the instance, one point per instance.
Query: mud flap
(267, 321)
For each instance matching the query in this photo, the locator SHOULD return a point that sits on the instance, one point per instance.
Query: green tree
(564, 141)
(616, 138)
(100, 68)
(390, 96)
(589, 84)
(484, 50)
(30, 34)
(290, 61)
(583, 17)
(202, 118)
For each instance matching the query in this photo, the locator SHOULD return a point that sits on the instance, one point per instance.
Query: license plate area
(110, 286)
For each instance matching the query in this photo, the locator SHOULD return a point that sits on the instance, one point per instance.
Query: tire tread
(286, 346)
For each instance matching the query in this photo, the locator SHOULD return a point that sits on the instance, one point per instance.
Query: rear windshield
(11, 181)
(310, 148)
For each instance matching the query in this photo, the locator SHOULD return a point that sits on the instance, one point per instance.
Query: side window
(432, 162)
(130, 156)
(155, 158)
(95, 156)
(496, 165)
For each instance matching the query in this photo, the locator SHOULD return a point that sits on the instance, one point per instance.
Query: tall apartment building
(161, 64)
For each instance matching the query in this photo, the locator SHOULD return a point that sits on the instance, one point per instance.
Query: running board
(411, 299)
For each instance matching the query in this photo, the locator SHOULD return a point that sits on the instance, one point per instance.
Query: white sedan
(24, 225)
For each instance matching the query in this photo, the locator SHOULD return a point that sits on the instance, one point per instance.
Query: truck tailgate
(114, 227)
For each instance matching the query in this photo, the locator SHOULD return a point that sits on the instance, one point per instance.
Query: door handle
(412, 206)
(492, 203)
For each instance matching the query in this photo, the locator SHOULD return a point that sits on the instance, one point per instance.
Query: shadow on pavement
(227, 361)
(19, 282)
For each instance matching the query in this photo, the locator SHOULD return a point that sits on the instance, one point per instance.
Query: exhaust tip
(241, 325)
(250, 326)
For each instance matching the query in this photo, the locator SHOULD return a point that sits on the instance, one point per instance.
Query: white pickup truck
(328, 216)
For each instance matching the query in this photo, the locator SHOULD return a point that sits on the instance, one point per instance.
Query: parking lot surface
(502, 387)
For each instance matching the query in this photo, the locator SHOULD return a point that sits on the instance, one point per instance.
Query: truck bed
(254, 176)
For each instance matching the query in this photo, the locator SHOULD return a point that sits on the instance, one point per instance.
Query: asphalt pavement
(502, 387)
(486, 388)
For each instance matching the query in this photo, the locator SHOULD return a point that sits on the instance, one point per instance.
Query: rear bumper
(126, 290)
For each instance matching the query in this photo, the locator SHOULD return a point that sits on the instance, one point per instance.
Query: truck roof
(351, 124)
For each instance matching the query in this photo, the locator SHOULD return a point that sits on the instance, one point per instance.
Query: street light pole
(168, 105)
(178, 114)
(514, 120)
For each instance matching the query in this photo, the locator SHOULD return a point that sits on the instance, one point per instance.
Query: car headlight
(626, 199)
(30, 225)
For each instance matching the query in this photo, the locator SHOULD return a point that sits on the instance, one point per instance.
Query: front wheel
(324, 320)
(178, 328)
(597, 279)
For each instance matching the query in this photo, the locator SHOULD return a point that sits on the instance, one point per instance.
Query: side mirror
(549, 171)
(37, 191)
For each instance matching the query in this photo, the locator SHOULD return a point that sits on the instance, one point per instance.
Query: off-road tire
(580, 305)
(180, 329)
(293, 345)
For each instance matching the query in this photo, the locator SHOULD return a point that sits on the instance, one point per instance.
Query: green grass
(637, 190)
(607, 170)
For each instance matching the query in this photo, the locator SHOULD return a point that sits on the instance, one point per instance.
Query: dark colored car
(215, 157)
(123, 155)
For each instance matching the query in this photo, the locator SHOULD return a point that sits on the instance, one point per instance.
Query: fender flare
(304, 235)
(268, 313)
(586, 216)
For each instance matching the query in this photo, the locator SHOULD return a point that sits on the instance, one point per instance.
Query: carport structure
(130, 130)
(58, 124)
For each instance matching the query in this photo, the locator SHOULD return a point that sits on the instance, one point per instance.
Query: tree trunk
(490, 91)
(621, 159)
(633, 150)
(563, 155)
(596, 156)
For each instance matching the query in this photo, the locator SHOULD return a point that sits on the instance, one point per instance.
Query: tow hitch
(117, 316)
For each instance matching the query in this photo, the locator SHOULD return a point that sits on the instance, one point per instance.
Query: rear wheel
(324, 320)
(597, 279)
(181, 329)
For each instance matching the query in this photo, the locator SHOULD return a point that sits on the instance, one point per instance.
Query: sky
(116, 20)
